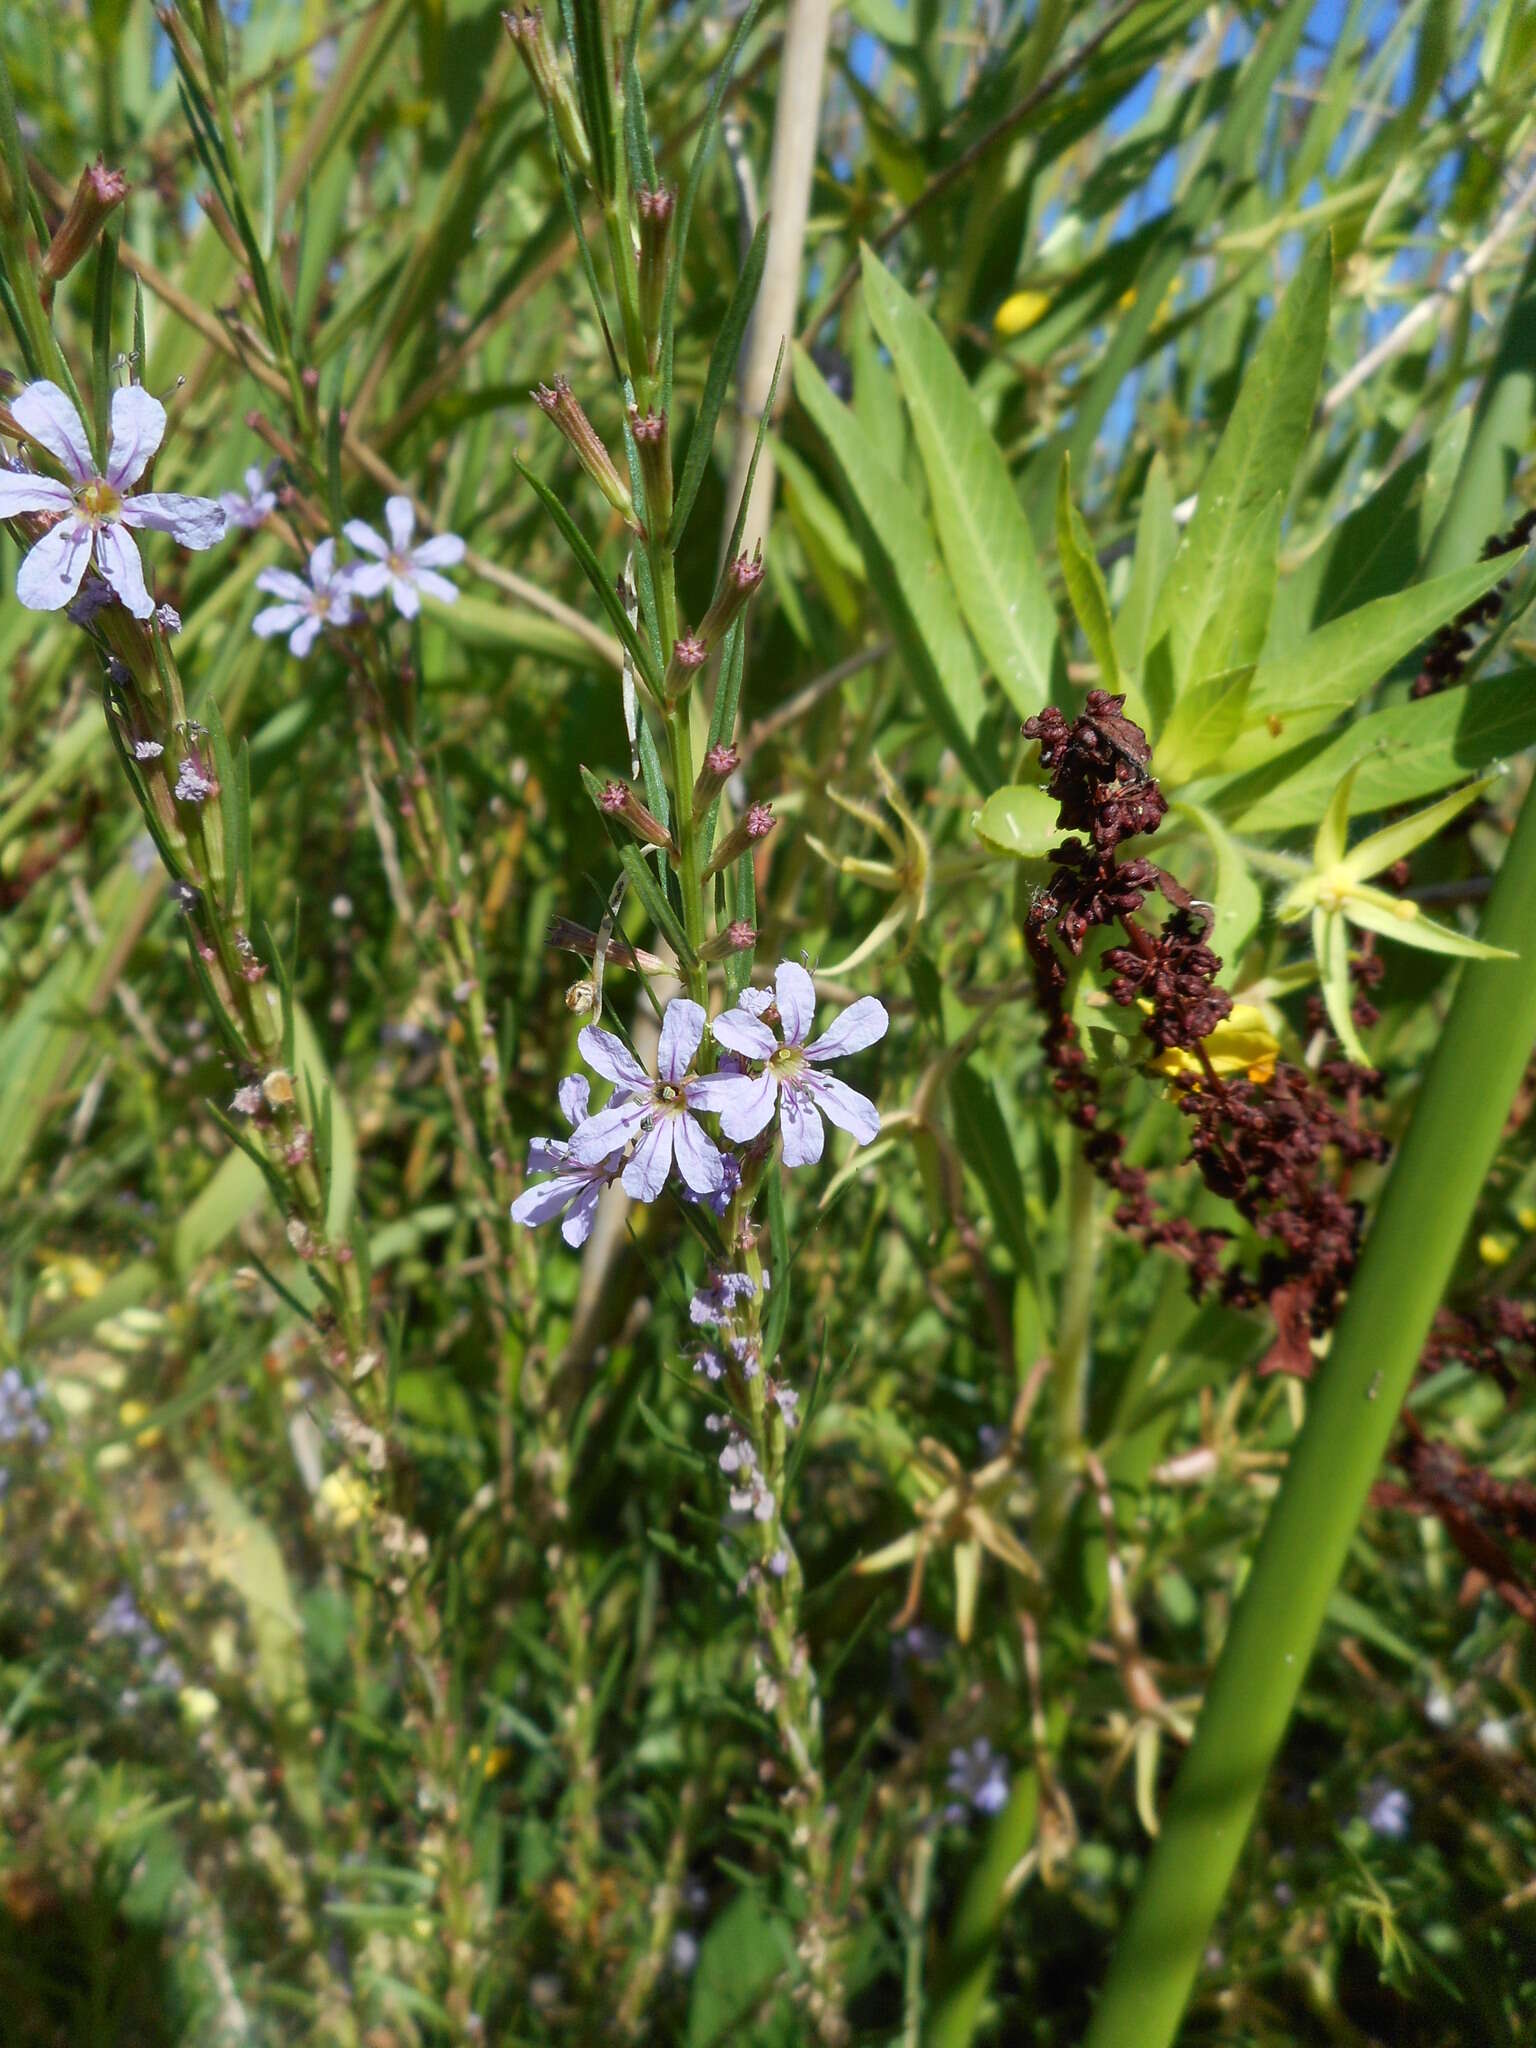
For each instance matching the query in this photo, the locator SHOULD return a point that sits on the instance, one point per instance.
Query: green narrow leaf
(1206, 719)
(987, 545)
(591, 568)
(1085, 582)
(722, 362)
(648, 888)
(901, 556)
(779, 1263)
(1304, 691)
(1409, 751)
(1254, 464)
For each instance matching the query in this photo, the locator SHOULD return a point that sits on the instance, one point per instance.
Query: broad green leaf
(909, 580)
(1157, 542)
(1303, 692)
(1235, 632)
(1500, 437)
(1409, 751)
(1085, 580)
(982, 1136)
(1254, 463)
(1204, 721)
(1020, 820)
(982, 529)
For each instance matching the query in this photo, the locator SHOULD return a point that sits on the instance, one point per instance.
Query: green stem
(1428, 1203)
(966, 1965)
(1073, 1350)
(685, 828)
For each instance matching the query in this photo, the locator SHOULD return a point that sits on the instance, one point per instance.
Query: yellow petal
(1020, 312)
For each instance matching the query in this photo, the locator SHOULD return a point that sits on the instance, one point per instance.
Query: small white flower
(401, 569)
(147, 750)
(323, 601)
(192, 785)
(95, 510)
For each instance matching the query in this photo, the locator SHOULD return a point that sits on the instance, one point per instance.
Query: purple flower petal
(575, 1098)
(743, 1102)
(51, 572)
(283, 583)
(577, 1227)
(601, 1136)
(844, 1106)
(698, 1157)
(20, 491)
(741, 1032)
(46, 414)
(799, 1127)
(407, 603)
(548, 1155)
(365, 579)
(118, 560)
(862, 1023)
(548, 1199)
(682, 1033)
(400, 518)
(755, 1001)
(612, 1058)
(646, 1174)
(430, 584)
(138, 428)
(195, 522)
(322, 564)
(363, 537)
(796, 994)
(278, 618)
(442, 551)
(304, 635)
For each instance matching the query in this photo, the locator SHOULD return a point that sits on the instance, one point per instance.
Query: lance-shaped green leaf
(1306, 689)
(1203, 723)
(1085, 582)
(1409, 751)
(982, 530)
(1157, 542)
(1254, 464)
(901, 557)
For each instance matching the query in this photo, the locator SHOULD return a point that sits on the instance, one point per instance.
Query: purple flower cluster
(651, 1122)
(327, 599)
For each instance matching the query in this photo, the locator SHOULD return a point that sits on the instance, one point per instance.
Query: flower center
(100, 501)
(399, 565)
(787, 1060)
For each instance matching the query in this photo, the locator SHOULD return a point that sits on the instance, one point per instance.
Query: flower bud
(560, 403)
(97, 194)
(689, 655)
(739, 937)
(741, 578)
(720, 764)
(653, 443)
(530, 39)
(757, 823)
(655, 209)
(616, 800)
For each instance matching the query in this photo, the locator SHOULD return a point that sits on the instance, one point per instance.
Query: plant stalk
(1428, 1203)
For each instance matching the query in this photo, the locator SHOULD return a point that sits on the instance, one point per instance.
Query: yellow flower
(1020, 312)
(1242, 1043)
(198, 1705)
(130, 1415)
(344, 1498)
(1492, 1250)
(1526, 1218)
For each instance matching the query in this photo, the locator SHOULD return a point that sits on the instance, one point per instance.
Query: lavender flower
(401, 569)
(250, 507)
(572, 1189)
(660, 1114)
(1388, 1810)
(323, 601)
(20, 1421)
(979, 1776)
(95, 509)
(789, 1081)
